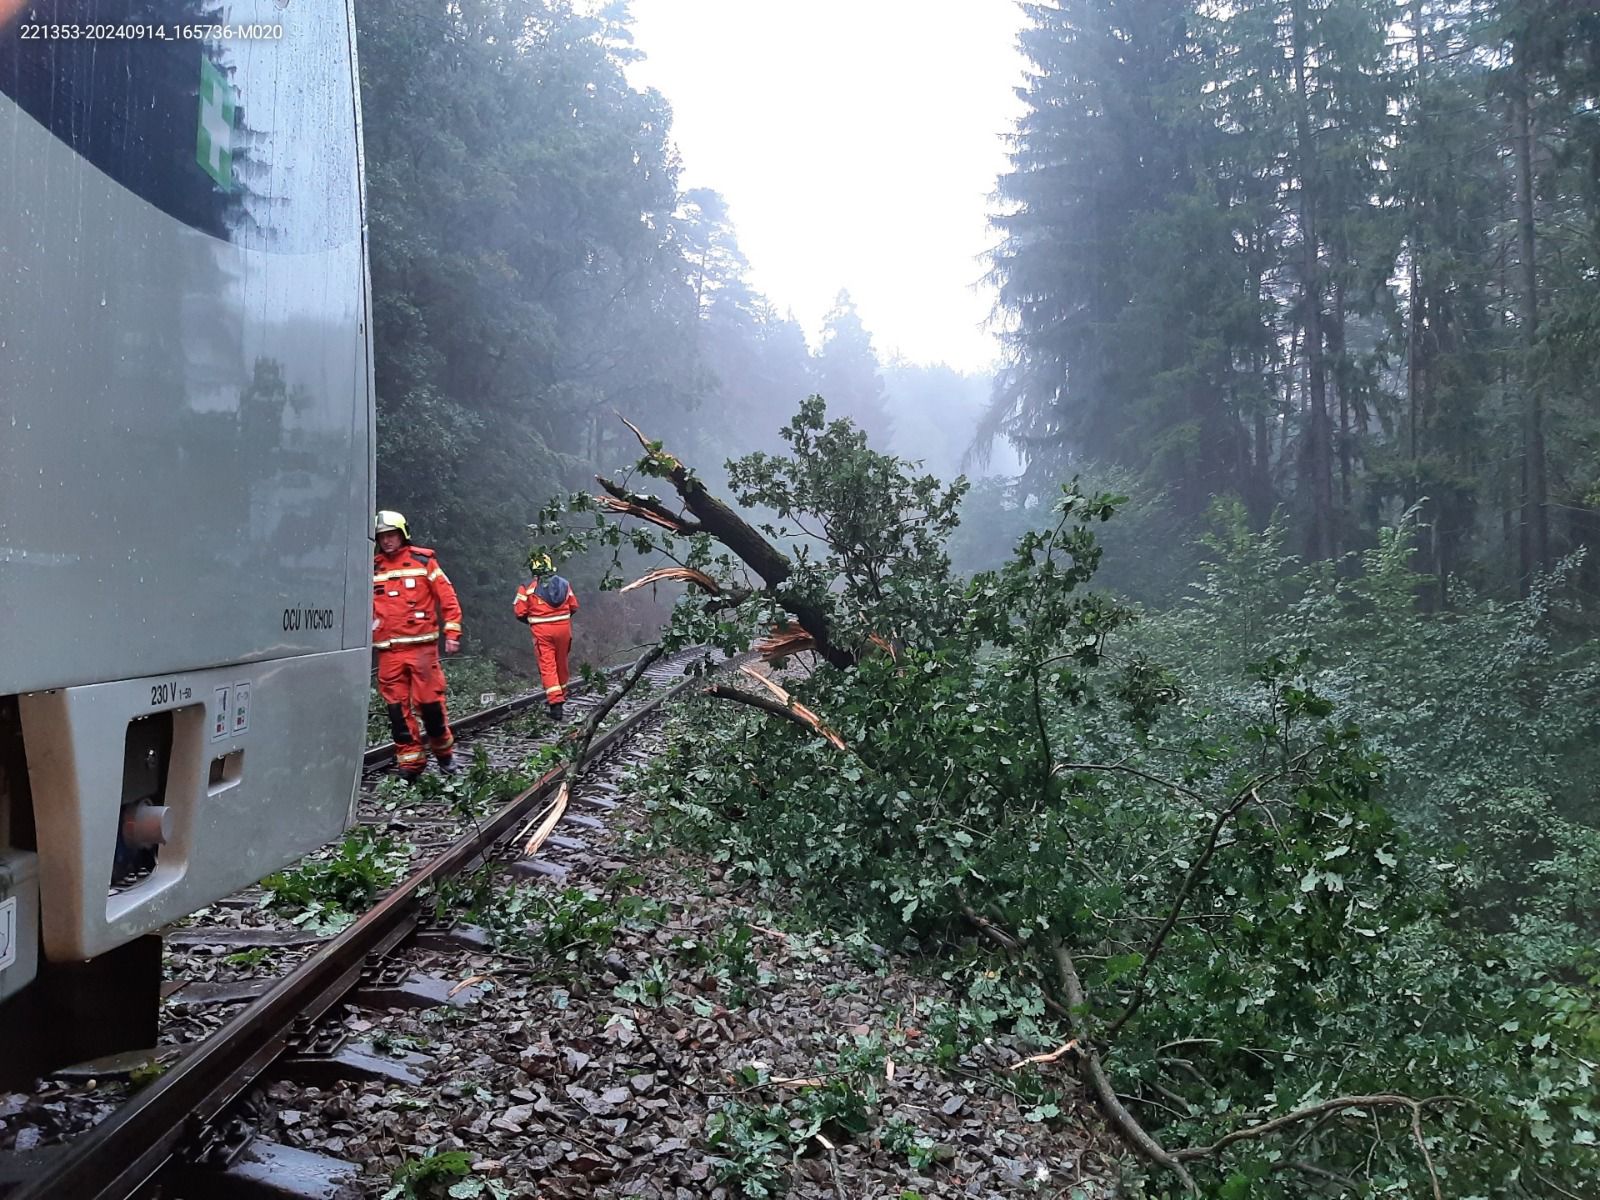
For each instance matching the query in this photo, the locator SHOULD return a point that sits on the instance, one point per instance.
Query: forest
(1332, 257)
(1245, 737)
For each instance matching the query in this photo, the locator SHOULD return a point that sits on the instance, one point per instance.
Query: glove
(452, 645)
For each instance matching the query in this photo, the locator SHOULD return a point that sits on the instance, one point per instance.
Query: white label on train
(8, 932)
(241, 707)
(221, 712)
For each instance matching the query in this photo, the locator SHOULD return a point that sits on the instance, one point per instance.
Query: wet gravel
(597, 1071)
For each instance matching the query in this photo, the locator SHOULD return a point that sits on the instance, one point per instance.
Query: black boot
(447, 764)
(556, 713)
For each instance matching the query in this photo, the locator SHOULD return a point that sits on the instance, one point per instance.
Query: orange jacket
(532, 608)
(409, 591)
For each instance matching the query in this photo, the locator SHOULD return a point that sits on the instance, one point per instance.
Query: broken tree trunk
(714, 517)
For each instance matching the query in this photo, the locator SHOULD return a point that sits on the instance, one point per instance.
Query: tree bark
(1341, 374)
(1414, 320)
(1318, 457)
(1535, 541)
(1263, 485)
(1261, 489)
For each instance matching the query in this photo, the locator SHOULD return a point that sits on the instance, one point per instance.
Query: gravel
(596, 1073)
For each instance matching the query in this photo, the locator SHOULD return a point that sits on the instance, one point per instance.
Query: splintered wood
(614, 505)
(1048, 1057)
(799, 710)
(552, 817)
(663, 574)
(783, 643)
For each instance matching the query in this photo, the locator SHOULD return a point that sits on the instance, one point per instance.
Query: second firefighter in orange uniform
(410, 594)
(547, 603)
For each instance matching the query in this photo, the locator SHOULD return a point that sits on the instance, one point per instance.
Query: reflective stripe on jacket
(535, 610)
(410, 592)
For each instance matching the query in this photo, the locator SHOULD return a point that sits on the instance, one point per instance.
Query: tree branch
(990, 930)
(654, 452)
(1063, 768)
(1196, 869)
(1422, 1144)
(643, 506)
(795, 714)
(714, 517)
(1124, 1122)
(1337, 1103)
(1316, 1172)
(675, 574)
(730, 598)
(592, 725)
(547, 819)
(1044, 734)
(1135, 1135)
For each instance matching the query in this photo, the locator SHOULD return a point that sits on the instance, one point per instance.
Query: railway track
(183, 1117)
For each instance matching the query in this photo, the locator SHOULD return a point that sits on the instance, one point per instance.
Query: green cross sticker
(214, 143)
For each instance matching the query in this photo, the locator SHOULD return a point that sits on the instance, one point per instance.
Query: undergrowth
(1250, 856)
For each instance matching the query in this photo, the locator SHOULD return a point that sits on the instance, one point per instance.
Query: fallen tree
(972, 758)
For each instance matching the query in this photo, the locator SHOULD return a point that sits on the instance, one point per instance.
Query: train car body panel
(257, 770)
(185, 368)
(186, 452)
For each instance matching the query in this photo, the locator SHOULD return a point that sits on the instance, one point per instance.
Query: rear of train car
(186, 477)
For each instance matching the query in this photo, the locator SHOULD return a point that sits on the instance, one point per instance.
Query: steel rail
(125, 1152)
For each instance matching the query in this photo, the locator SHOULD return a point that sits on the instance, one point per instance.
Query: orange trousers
(410, 677)
(551, 644)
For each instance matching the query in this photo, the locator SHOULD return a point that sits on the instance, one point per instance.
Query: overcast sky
(857, 142)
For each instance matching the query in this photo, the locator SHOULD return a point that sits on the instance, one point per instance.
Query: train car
(186, 483)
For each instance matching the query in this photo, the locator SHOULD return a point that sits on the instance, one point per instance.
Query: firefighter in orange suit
(410, 595)
(547, 603)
